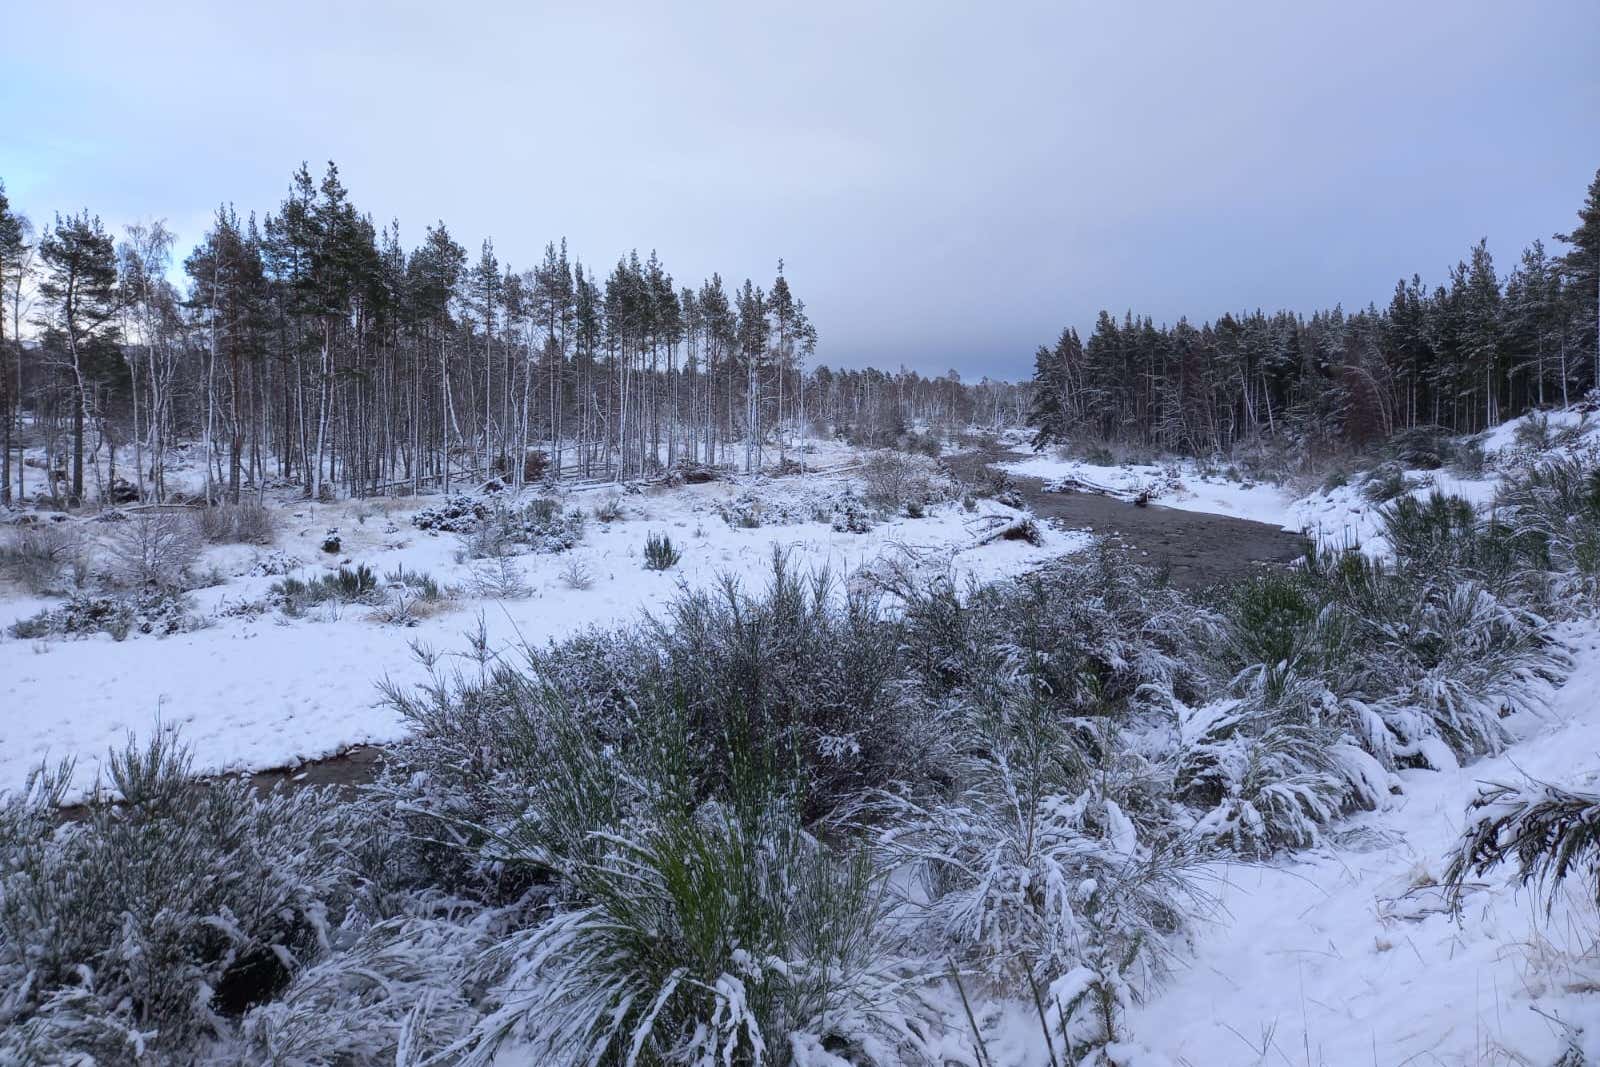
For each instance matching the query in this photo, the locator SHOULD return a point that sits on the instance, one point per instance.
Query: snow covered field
(268, 691)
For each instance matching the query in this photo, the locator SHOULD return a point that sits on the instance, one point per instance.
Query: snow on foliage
(813, 823)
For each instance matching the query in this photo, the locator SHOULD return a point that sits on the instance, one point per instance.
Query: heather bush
(148, 925)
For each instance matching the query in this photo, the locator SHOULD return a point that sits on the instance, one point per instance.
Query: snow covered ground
(254, 693)
(1343, 954)
(1347, 954)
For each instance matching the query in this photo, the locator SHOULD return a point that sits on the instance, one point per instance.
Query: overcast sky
(949, 184)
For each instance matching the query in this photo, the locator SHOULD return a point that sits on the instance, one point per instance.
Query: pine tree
(1481, 339)
(1581, 268)
(1051, 413)
(13, 253)
(82, 299)
(228, 282)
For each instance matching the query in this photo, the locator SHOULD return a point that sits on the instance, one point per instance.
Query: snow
(1335, 517)
(1177, 485)
(1342, 954)
(1344, 516)
(1346, 954)
(263, 692)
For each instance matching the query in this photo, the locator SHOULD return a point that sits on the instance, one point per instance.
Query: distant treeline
(1465, 355)
(314, 347)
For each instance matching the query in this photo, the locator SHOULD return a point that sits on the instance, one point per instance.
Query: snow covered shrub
(500, 755)
(609, 511)
(42, 556)
(410, 596)
(1264, 784)
(1416, 661)
(743, 512)
(455, 514)
(154, 549)
(1444, 536)
(659, 553)
(891, 480)
(1534, 433)
(1270, 623)
(1549, 831)
(249, 522)
(797, 677)
(1557, 503)
(1416, 665)
(811, 676)
(705, 937)
(576, 575)
(344, 586)
(1420, 447)
(394, 996)
(162, 914)
(1384, 483)
(546, 528)
(1055, 831)
(849, 515)
(151, 611)
(539, 526)
(1098, 632)
(1048, 816)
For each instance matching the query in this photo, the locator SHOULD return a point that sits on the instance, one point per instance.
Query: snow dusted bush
(499, 577)
(837, 505)
(538, 526)
(705, 936)
(410, 597)
(1424, 660)
(814, 674)
(1096, 631)
(659, 552)
(1415, 662)
(1385, 482)
(849, 515)
(145, 927)
(1557, 504)
(151, 611)
(1052, 854)
(1442, 536)
(455, 514)
(154, 549)
(249, 522)
(1263, 784)
(1030, 854)
(358, 585)
(390, 997)
(44, 556)
(891, 480)
(631, 799)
